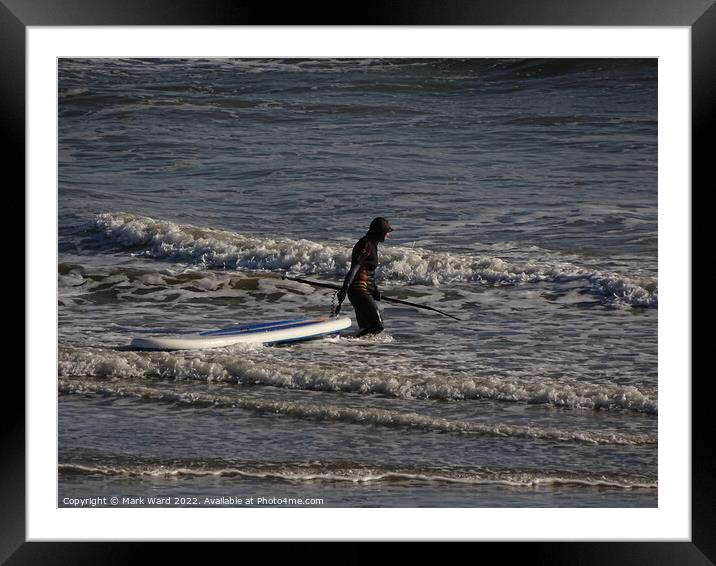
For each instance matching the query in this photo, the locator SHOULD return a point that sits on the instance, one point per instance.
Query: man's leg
(367, 314)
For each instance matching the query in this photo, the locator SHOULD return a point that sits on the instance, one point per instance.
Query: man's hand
(376, 294)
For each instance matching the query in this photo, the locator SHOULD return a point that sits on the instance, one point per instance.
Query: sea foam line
(369, 415)
(355, 473)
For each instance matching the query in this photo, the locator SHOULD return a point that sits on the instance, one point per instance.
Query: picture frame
(16, 16)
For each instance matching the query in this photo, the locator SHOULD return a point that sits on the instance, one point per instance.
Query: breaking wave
(399, 382)
(217, 249)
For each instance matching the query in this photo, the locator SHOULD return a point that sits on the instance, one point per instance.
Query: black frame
(699, 15)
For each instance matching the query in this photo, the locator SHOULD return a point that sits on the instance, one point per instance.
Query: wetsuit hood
(378, 229)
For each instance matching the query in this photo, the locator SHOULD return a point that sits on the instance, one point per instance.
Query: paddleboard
(264, 333)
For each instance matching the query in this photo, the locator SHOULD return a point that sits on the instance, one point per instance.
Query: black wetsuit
(360, 281)
(362, 288)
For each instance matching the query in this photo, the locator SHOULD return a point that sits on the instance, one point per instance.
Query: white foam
(220, 249)
(356, 473)
(399, 381)
(369, 415)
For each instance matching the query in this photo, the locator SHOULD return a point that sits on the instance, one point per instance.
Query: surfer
(359, 283)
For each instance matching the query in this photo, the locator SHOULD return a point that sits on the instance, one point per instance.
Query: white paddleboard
(264, 333)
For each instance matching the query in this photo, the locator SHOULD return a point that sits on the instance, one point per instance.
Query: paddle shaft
(383, 298)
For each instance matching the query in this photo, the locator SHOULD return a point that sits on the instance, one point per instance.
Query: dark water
(524, 199)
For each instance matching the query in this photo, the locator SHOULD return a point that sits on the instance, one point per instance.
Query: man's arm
(352, 273)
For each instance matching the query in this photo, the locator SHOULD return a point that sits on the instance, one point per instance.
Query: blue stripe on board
(264, 327)
(304, 338)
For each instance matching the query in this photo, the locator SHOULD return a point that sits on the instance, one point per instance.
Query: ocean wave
(399, 382)
(221, 249)
(79, 284)
(365, 416)
(353, 472)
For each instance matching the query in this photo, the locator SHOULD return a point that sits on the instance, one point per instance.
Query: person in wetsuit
(359, 283)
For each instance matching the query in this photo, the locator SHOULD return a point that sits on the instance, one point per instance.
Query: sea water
(523, 194)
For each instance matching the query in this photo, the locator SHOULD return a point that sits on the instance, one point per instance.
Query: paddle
(383, 298)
